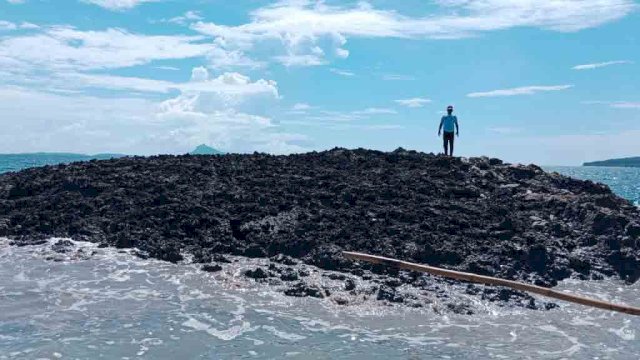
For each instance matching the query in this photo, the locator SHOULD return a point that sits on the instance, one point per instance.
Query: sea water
(623, 181)
(93, 303)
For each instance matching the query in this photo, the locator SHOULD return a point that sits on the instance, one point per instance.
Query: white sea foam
(118, 305)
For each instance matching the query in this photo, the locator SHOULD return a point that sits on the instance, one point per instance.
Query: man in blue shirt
(448, 122)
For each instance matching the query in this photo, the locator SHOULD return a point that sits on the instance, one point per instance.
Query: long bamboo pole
(492, 281)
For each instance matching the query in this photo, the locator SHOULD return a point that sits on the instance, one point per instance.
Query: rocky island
(622, 162)
(297, 213)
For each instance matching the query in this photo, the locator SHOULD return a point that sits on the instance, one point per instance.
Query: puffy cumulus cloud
(117, 4)
(228, 111)
(229, 91)
(225, 128)
(298, 28)
(63, 47)
(524, 90)
(199, 73)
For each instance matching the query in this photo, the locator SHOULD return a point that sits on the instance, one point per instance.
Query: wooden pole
(492, 281)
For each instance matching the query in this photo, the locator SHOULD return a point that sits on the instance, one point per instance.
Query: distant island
(622, 162)
(205, 150)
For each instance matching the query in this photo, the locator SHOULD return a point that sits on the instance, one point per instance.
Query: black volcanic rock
(211, 268)
(512, 221)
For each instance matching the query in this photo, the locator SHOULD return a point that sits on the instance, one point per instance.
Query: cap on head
(450, 108)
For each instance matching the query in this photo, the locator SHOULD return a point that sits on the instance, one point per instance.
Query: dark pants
(447, 138)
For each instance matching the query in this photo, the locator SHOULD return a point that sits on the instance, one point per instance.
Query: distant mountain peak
(204, 149)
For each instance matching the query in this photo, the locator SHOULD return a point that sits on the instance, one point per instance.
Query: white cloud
(68, 48)
(397, 77)
(601, 64)
(413, 102)
(301, 107)
(374, 111)
(229, 85)
(300, 60)
(626, 105)
(342, 72)
(199, 74)
(6, 25)
(327, 117)
(171, 68)
(297, 27)
(342, 53)
(80, 123)
(504, 130)
(16, 1)
(28, 26)
(382, 127)
(616, 104)
(525, 90)
(117, 4)
(187, 17)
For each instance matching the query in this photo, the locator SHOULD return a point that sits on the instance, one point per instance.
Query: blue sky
(549, 82)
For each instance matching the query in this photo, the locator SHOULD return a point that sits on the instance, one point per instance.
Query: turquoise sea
(93, 303)
(624, 181)
(15, 162)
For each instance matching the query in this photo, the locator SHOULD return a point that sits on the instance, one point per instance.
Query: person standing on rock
(448, 122)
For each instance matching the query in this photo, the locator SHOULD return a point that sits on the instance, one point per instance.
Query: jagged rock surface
(477, 214)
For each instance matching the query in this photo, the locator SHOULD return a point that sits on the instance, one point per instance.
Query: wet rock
(459, 308)
(63, 246)
(211, 268)
(389, 294)
(336, 276)
(302, 289)
(580, 264)
(349, 284)
(257, 273)
(289, 275)
(167, 253)
(303, 272)
(340, 300)
(284, 259)
(220, 258)
(141, 254)
(4, 226)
